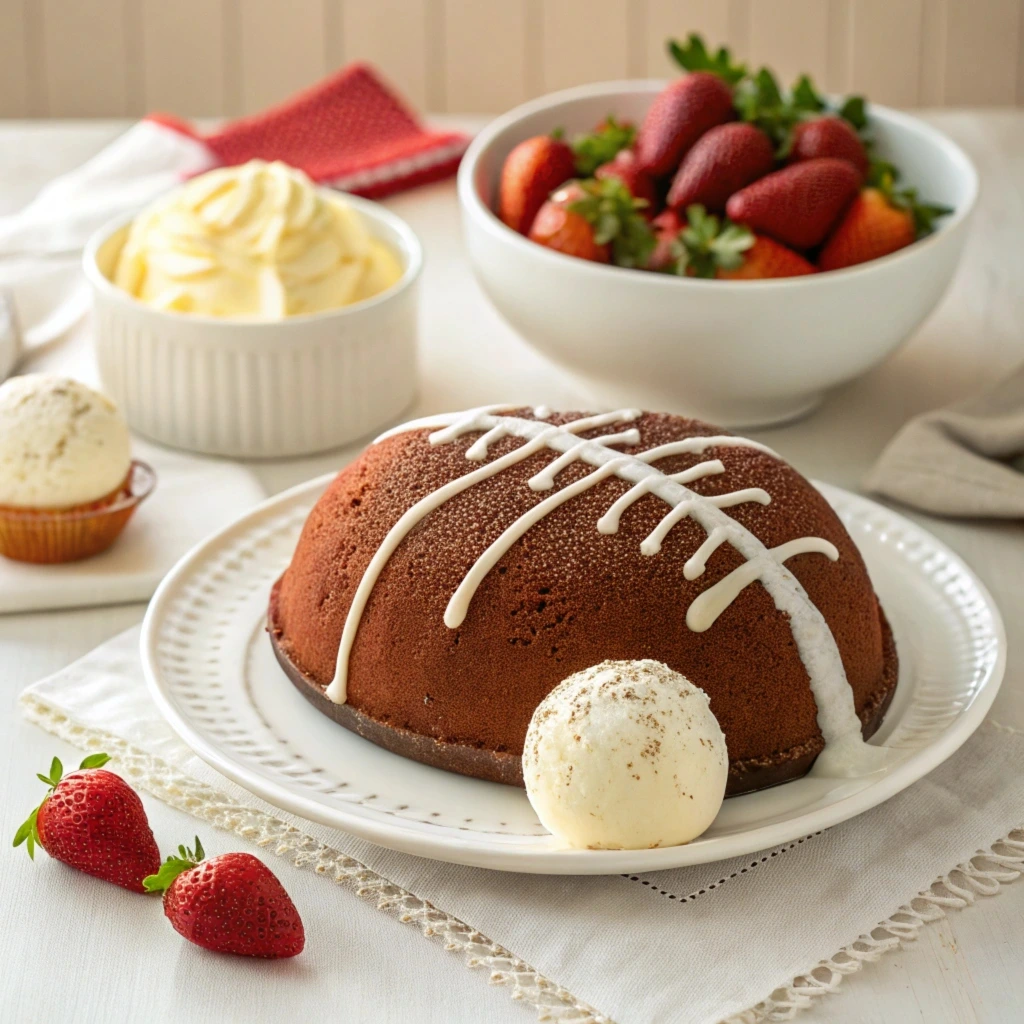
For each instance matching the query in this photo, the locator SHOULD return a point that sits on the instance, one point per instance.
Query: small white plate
(211, 671)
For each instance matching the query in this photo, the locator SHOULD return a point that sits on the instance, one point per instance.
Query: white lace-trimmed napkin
(629, 949)
(967, 460)
(194, 497)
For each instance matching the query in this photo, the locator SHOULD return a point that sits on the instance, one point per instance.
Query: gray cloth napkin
(965, 460)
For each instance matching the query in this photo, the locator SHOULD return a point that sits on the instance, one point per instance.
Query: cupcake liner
(47, 536)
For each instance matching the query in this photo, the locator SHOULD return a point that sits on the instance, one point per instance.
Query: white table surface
(74, 949)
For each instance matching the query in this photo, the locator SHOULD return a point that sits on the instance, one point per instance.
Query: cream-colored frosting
(61, 443)
(259, 241)
(625, 755)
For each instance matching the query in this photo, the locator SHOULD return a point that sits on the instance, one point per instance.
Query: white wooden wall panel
(182, 66)
(983, 43)
(282, 48)
(69, 58)
(885, 50)
(484, 53)
(85, 65)
(838, 43)
(600, 42)
(790, 36)
(934, 35)
(392, 34)
(14, 37)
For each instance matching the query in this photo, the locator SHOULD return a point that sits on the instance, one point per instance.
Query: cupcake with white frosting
(67, 481)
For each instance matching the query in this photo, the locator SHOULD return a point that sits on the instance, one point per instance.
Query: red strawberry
(828, 136)
(94, 821)
(532, 171)
(230, 904)
(799, 204)
(724, 160)
(765, 259)
(627, 170)
(667, 226)
(879, 222)
(558, 227)
(680, 114)
(598, 220)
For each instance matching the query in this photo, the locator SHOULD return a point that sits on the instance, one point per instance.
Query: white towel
(966, 460)
(42, 289)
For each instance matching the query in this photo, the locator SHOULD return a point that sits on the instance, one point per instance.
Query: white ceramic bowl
(252, 389)
(733, 352)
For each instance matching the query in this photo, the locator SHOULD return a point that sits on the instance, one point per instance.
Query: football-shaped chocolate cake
(464, 565)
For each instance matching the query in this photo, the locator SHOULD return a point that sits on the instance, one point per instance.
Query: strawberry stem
(174, 866)
(28, 831)
(693, 55)
(601, 146)
(706, 245)
(614, 214)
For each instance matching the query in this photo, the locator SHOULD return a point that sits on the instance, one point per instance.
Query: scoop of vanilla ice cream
(626, 755)
(259, 241)
(61, 443)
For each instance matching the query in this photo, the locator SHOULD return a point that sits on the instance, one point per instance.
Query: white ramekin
(252, 389)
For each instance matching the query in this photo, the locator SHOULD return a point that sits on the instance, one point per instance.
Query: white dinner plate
(211, 670)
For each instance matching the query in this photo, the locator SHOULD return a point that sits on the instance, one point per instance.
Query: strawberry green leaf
(44, 778)
(693, 55)
(56, 771)
(29, 833)
(854, 110)
(707, 245)
(759, 100)
(172, 867)
(601, 146)
(882, 175)
(169, 871)
(923, 214)
(804, 97)
(557, 133)
(94, 761)
(609, 207)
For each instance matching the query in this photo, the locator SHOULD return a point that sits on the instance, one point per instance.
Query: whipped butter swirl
(259, 241)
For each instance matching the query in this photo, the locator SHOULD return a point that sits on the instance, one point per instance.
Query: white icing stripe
(815, 644)
(455, 613)
(442, 419)
(698, 445)
(651, 544)
(545, 479)
(698, 561)
(706, 607)
(609, 522)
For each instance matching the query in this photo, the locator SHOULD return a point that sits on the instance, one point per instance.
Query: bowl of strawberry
(714, 245)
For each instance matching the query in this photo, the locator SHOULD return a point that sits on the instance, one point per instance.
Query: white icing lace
(983, 875)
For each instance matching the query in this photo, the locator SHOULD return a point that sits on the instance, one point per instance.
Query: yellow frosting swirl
(259, 241)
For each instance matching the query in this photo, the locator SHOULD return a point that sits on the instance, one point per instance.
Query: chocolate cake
(464, 565)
